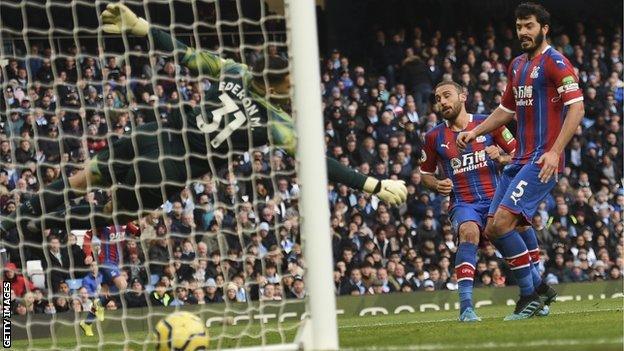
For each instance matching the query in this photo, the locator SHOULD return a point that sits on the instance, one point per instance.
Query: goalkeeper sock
(515, 252)
(530, 239)
(465, 262)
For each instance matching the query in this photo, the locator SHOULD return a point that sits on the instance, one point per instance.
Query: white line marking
(455, 319)
(497, 345)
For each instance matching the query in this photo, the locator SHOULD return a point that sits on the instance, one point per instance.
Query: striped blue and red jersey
(473, 173)
(538, 91)
(110, 240)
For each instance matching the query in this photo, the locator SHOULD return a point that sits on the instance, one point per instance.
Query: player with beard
(470, 177)
(544, 95)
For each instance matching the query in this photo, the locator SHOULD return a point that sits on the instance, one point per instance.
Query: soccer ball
(181, 331)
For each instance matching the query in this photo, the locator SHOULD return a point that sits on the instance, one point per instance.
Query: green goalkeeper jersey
(234, 118)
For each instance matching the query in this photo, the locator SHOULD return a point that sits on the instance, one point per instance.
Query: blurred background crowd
(234, 235)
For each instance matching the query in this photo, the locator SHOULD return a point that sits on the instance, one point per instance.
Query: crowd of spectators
(234, 235)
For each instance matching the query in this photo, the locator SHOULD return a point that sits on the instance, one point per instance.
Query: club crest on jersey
(535, 72)
(456, 163)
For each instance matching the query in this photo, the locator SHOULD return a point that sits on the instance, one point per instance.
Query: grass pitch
(574, 325)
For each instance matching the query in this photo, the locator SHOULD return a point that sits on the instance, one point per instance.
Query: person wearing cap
(429, 285)
(264, 230)
(19, 283)
(231, 290)
(25, 103)
(212, 294)
(10, 99)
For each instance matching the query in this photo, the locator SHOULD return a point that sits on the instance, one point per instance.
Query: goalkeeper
(145, 169)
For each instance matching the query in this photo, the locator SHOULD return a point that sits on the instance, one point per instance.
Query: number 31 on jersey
(229, 106)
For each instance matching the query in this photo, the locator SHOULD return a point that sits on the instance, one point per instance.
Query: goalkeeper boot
(548, 295)
(99, 310)
(87, 329)
(526, 307)
(469, 315)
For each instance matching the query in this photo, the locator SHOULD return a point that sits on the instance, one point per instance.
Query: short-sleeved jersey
(473, 173)
(233, 117)
(110, 239)
(537, 92)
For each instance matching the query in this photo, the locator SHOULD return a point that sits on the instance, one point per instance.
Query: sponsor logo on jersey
(480, 139)
(535, 72)
(445, 145)
(469, 162)
(523, 95)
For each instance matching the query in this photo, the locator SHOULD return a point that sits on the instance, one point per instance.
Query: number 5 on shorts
(518, 192)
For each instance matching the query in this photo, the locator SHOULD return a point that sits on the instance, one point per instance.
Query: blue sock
(515, 252)
(465, 262)
(530, 239)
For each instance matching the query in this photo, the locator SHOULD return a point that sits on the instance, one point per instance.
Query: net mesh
(227, 219)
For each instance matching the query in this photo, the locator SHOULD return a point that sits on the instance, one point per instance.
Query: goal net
(174, 160)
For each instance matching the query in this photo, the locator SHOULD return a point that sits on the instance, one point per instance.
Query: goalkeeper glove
(391, 191)
(119, 18)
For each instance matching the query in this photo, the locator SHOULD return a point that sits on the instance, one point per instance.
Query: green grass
(575, 325)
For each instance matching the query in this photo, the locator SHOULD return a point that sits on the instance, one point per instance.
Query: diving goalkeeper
(240, 112)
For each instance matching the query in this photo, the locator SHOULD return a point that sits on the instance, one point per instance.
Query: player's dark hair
(276, 70)
(459, 87)
(528, 9)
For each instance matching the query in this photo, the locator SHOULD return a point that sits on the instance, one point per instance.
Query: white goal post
(89, 76)
(320, 332)
(303, 44)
